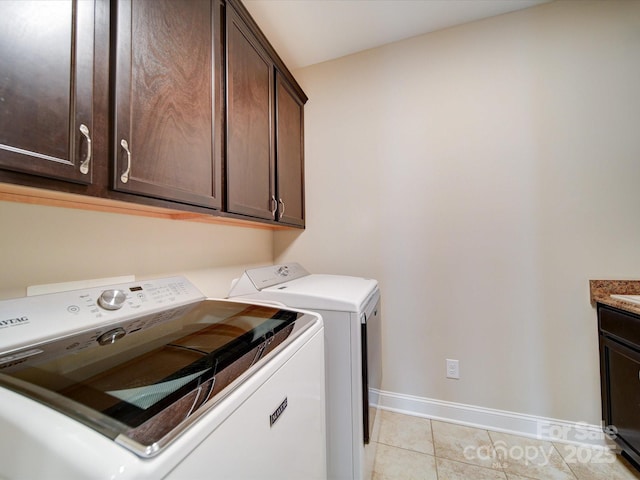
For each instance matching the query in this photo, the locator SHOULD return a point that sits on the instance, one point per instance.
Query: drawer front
(624, 326)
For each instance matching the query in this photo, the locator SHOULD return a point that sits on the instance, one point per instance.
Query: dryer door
(371, 366)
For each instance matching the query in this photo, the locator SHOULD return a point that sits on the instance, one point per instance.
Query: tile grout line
(398, 447)
(433, 443)
(575, 476)
(564, 461)
(506, 474)
(470, 464)
(500, 463)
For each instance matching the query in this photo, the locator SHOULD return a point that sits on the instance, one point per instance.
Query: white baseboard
(543, 428)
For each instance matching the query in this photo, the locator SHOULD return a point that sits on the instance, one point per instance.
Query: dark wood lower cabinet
(620, 377)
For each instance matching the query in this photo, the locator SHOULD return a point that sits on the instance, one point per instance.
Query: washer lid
(154, 375)
(323, 292)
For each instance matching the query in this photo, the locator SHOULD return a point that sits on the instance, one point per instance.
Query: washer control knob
(112, 336)
(112, 299)
(283, 271)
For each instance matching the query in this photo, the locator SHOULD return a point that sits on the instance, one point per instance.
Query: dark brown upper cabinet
(289, 153)
(169, 100)
(46, 88)
(265, 172)
(250, 148)
(178, 105)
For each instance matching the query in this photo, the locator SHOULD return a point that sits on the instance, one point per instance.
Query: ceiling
(305, 32)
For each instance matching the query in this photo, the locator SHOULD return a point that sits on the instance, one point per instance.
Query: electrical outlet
(453, 368)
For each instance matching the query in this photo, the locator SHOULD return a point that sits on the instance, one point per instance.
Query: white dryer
(350, 308)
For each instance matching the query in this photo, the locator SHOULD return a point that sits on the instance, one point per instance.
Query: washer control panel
(30, 320)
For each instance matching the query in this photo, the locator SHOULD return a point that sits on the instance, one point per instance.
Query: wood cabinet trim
(51, 198)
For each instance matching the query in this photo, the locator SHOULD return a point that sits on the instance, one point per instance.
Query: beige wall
(483, 174)
(50, 245)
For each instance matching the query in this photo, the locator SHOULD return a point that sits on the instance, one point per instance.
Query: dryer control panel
(256, 279)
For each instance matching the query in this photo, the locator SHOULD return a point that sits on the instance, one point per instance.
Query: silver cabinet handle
(274, 205)
(282, 210)
(125, 176)
(84, 166)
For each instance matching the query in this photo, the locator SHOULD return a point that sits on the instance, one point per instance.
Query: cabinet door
(620, 369)
(250, 158)
(168, 100)
(289, 154)
(46, 88)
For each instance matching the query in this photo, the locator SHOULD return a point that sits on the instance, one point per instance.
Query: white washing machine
(350, 308)
(150, 380)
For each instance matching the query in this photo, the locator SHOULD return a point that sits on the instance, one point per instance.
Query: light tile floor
(418, 448)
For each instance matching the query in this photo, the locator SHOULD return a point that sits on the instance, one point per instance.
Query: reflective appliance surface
(142, 375)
